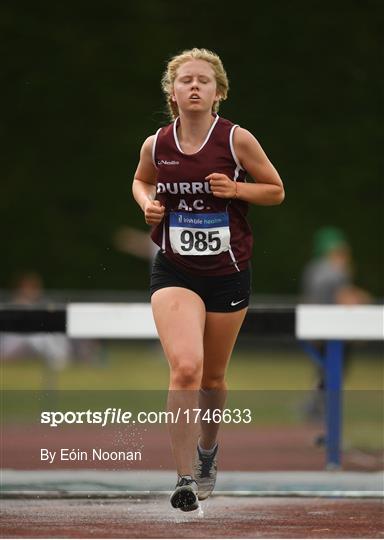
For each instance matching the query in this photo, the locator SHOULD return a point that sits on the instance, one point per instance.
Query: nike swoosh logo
(235, 303)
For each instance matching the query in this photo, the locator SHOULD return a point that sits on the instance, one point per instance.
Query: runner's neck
(192, 131)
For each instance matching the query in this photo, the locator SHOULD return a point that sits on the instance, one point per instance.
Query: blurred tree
(81, 92)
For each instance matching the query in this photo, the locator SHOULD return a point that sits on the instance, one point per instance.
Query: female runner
(190, 184)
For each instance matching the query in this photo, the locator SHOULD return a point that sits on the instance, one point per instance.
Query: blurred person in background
(328, 279)
(54, 348)
(27, 289)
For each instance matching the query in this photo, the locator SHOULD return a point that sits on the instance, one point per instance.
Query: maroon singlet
(181, 187)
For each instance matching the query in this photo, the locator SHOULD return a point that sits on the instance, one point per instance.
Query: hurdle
(333, 325)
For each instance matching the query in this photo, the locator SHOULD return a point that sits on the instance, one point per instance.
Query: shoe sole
(185, 499)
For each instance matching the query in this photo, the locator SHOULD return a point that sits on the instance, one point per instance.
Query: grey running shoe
(185, 495)
(205, 471)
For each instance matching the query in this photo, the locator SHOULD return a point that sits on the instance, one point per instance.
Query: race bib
(199, 234)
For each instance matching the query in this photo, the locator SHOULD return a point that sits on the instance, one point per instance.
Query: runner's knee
(214, 382)
(186, 372)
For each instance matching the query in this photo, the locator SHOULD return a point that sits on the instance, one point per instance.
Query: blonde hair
(173, 65)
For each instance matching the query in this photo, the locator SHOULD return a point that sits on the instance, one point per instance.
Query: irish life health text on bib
(199, 234)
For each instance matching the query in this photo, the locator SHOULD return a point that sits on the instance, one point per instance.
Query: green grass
(143, 366)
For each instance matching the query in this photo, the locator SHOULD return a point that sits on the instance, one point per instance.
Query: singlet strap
(154, 148)
(232, 147)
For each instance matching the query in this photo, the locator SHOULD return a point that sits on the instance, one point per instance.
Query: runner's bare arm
(267, 188)
(144, 185)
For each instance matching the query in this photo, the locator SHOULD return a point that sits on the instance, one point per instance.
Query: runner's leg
(220, 334)
(180, 319)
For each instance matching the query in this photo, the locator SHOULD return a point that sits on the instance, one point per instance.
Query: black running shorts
(220, 294)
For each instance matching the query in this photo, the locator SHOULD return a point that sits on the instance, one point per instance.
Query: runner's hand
(153, 212)
(222, 186)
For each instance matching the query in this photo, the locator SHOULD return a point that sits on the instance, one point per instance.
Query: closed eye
(187, 80)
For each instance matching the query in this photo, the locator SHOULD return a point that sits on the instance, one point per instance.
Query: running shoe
(205, 472)
(185, 495)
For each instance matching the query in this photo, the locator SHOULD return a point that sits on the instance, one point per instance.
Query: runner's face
(195, 86)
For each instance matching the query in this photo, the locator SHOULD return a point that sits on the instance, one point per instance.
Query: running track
(223, 517)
